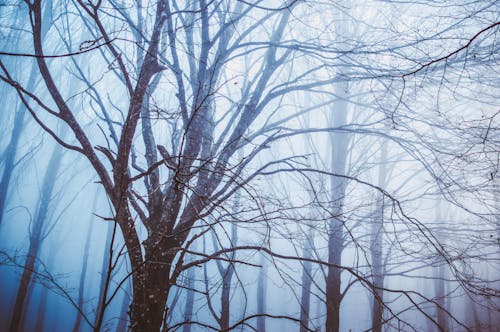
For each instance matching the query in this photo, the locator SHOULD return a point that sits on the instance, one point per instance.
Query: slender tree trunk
(83, 274)
(261, 296)
(439, 281)
(305, 299)
(439, 285)
(228, 272)
(376, 249)
(227, 276)
(225, 298)
(333, 281)
(11, 149)
(28, 302)
(42, 303)
(188, 307)
(104, 273)
(378, 273)
(340, 142)
(36, 236)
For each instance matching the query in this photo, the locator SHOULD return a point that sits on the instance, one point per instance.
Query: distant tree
(36, 235)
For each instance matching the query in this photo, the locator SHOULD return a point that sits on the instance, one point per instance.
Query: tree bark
(151, 288)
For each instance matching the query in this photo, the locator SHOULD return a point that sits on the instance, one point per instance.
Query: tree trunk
(40, 316)
(333, 281)
(439, 282)
(11, 149)
(36, 236)
(83, 273)
(188, 308)
(439, 285)
(150, 289)
(148, 306)
(225, 298)
(305, 299)
(104, 274)
(261, 297)
(376, 249)
(42, 303)
(378, 274)
(227, 275)
(340, 142)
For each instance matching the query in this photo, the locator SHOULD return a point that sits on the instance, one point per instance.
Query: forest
(249, 165)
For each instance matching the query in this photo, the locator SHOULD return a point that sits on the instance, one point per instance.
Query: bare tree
(36, 235)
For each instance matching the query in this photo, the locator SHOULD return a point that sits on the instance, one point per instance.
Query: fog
(264, 165)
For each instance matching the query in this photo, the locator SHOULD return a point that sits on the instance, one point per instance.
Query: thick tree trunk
(148, 307)
(36, 236)
(150, 289)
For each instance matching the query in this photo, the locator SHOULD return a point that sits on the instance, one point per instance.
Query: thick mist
(267, 165)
